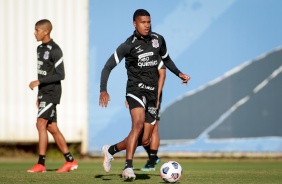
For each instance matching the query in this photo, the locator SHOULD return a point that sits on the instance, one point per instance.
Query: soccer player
(152, 148)
(141, 51)
(50, 69)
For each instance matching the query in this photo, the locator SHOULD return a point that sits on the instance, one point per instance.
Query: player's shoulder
(52, 45)
(155, 35)
(130, 40)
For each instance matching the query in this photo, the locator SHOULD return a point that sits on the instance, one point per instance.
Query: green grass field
(195, 171)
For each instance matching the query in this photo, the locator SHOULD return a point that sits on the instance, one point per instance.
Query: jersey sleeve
(167, 60)
(161, 65)
(59, 74)
(112, 62)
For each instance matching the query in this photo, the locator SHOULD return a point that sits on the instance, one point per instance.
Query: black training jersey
(141, 61)
(50, 72)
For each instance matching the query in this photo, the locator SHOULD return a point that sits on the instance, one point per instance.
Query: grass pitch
(195, 171)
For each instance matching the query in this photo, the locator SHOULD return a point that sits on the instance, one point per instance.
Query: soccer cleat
(107, 158)
(158, 160)
(37, 168)
(128, 174)
(68, 166)
(150, 167)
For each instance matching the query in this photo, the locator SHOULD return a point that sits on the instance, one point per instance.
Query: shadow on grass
(145, 176)
(51, 170)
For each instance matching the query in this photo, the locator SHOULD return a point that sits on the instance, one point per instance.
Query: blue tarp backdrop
(205, 39)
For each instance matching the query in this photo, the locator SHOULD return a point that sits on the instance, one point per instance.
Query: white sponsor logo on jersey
(144, 60)
(145, 54)
(41, 72)
(143, 86)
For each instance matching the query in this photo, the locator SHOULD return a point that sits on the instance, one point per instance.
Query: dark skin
(142, 25)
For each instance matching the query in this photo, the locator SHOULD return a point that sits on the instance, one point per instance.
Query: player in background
(152, 148)
(141, 52)
(51, 71)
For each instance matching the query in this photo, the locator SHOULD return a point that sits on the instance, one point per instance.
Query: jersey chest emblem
(46, 55)
(155, 43)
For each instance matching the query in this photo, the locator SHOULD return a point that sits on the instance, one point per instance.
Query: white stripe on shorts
(136, 98)
(45, 109)
(154, 122)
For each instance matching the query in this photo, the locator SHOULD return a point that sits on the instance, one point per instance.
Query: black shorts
(145, 100)
(47, 111)
(158, 113)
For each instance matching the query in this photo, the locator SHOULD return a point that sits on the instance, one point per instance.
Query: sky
(204, 38)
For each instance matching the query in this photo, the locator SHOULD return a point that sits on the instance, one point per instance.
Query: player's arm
(112, 62)
(170, 64)
(161, 81)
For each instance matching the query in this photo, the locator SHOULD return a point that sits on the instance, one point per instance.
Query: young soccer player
(141, 51)
(50, 69)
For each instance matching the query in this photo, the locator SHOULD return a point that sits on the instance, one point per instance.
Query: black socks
(41, 160)
(68, 157)
(128, 164)
(113, 149)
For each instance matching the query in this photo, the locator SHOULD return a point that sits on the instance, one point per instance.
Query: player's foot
(128, 174)
(68, 166)
(158, 160)
(149, 166)
(107, 158)
(37, 168)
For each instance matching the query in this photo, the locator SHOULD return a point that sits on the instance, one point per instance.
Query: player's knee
(146, 142)
(52, 128)
(41, 124)
(138, 125)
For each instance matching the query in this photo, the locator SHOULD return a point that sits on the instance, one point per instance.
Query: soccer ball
(171, 171)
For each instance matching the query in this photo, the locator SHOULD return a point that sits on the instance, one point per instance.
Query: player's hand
(37, 103)
(126, 104)
(104, 99)
(33, 84)
(184, 78)
(158, 103)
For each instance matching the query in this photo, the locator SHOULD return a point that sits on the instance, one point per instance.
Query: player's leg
(155, 143)
(53, 128)
(44, 113)
(153, 150)
(109, 151)
(138, 118)
(70, 163)
(137, 113)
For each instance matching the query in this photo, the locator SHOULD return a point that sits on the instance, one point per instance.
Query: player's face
(142, 24)
(40, 33)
